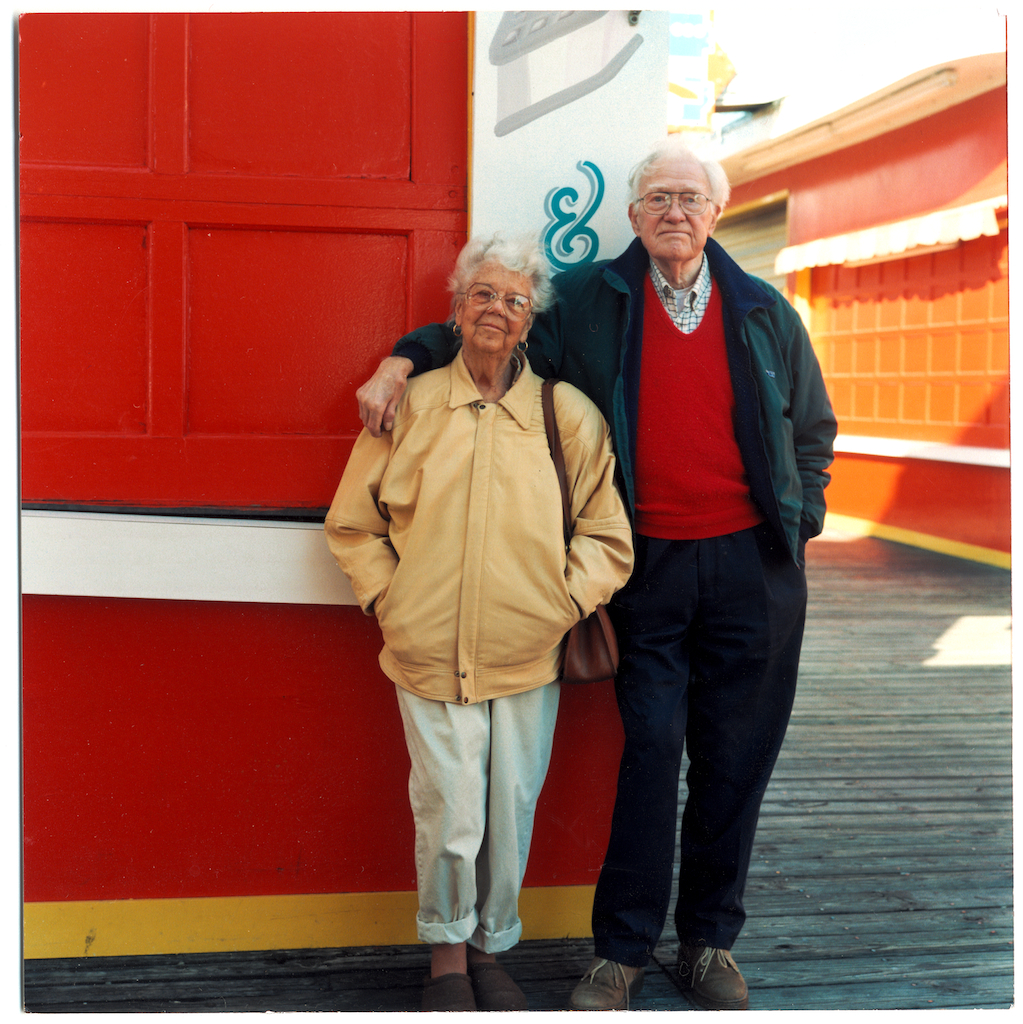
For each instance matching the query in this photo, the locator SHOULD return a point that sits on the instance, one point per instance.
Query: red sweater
(690, 480)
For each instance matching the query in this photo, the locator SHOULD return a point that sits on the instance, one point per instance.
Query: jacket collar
(518, 401)
(740, 292)
(631, 266)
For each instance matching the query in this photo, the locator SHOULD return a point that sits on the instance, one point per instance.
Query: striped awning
(942, 227)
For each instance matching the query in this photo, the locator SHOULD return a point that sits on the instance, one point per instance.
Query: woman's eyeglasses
(482, 296)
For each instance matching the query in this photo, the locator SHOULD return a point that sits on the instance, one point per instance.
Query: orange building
(887, 221)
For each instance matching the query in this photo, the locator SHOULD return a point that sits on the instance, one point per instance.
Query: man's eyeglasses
(659, 203)
(482, 296)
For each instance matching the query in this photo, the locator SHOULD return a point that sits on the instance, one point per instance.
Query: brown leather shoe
(607, 986)
(494, 988)
(448, 992)
(711, 979)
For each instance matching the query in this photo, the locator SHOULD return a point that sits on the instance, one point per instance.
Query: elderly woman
(449, 527)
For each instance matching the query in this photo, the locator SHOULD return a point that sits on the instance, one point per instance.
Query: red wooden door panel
(331, 103)
(226, 220)
(85, 320)
(84, 91)
(277, 318)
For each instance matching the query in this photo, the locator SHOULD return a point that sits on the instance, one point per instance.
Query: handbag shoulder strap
(554, 442)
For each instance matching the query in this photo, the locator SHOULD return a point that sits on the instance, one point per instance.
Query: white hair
(521, 255)
(675, 148)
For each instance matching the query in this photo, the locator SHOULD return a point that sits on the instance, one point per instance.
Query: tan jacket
(450, 529)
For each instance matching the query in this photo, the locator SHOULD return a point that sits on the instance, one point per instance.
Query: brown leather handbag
(591, 647)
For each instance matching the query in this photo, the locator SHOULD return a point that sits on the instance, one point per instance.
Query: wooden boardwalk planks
(882, 873)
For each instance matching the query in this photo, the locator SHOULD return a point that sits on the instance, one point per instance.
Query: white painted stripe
(179, 558)
(894, 448)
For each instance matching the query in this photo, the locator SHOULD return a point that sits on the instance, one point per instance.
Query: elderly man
(723, 431)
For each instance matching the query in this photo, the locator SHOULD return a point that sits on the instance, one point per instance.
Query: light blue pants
(477, 772)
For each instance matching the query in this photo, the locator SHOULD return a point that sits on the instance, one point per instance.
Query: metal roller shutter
(753, 238)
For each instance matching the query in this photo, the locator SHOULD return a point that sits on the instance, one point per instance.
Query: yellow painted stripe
(944, 546)
(235, 923)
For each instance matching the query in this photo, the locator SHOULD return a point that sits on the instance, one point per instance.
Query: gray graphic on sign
(548, 59)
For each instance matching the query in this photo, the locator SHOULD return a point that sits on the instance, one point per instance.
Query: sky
(777, 43)
(827, 54)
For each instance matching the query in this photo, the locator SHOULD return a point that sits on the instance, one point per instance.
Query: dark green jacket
(592, 337)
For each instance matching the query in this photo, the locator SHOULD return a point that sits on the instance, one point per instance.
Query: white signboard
(565, 103)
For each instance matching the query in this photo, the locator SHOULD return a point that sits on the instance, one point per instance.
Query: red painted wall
(178, 749)
(910, 171)
(239, 213)
(226, 221)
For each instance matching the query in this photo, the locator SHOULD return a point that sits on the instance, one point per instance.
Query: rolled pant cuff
(468, 929)
(490, 942)
(447, 933)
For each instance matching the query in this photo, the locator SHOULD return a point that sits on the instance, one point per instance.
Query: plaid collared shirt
(686, 308)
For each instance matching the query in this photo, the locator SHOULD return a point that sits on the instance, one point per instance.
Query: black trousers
(710, 633)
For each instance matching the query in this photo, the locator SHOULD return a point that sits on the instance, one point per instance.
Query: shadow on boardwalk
(882, 873)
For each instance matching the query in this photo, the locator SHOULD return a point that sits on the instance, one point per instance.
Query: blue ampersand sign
(568, 227)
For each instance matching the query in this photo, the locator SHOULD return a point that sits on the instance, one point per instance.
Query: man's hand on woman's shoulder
(379, 396)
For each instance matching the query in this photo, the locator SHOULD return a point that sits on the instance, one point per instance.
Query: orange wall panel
(967, 504)
(276, 199)
(896, 357)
